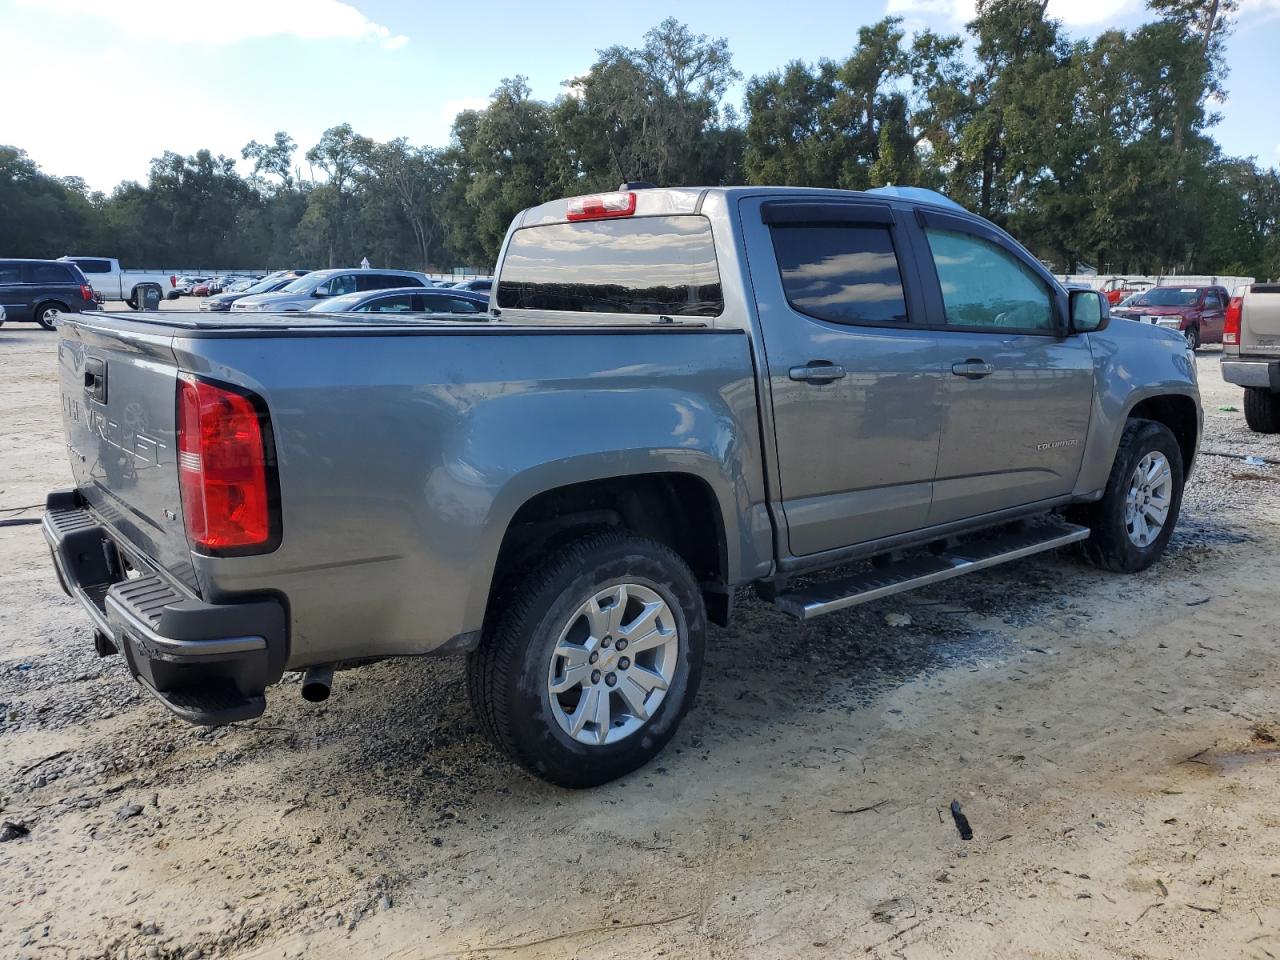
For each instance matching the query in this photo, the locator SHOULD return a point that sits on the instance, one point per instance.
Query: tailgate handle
(95, 378)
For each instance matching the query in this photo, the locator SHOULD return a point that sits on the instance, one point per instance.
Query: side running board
(832, 595)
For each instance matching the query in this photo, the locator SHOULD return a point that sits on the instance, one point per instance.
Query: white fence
(1111, 281)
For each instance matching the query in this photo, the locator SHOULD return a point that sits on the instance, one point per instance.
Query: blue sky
(142, 76)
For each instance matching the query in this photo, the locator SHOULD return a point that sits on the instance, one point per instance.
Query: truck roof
(666, 201)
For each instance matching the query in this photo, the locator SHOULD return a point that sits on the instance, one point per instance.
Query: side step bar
(832, 595)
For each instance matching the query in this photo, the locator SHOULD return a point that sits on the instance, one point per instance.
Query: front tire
(594, 660)
(1132, 523)
(1192, 334)
(1262, 410)
(47, 314)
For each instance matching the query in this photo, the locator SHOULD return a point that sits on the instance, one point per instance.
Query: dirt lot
(1112, 741)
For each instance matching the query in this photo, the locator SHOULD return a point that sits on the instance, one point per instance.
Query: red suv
(1197, 311)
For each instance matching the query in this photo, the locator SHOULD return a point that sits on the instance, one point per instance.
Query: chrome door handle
(818, 371)
(973, 369)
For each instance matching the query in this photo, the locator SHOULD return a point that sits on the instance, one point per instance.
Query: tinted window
(1213, 300)
(840, 272)
(435, 303)
(52, 273)
(644, 265)
(1168, 297)
(985, 286)
(384, 281)
(10, 273)
(398, 303)
(93, 266)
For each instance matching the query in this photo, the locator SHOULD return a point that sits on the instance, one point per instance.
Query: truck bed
(404, 450)
(183, 324)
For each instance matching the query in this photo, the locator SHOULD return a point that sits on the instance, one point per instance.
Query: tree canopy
(1097, 150)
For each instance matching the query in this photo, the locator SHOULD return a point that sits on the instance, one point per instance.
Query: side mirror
(1089, 311)
(320, 292)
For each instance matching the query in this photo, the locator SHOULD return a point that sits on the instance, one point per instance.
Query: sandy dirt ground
(1112, 740)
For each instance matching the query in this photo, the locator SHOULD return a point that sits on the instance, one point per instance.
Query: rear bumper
(1252, 373)
(208, 663)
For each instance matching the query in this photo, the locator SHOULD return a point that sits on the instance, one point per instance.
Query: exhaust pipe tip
(316, 684)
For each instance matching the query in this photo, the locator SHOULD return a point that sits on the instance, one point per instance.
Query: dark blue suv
(40, 290)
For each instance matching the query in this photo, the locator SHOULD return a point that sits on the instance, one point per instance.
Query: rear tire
(1132, 523)
(555, 685)
(47, 314)
(1262, 410)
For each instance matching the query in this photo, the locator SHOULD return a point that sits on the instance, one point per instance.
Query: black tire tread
(491, 665)
(35, 314)
(1107, 547)
(1261, 410)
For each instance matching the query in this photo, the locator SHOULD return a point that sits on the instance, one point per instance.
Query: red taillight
(222, 469)
(86, 293)
(1231, 323)
(602, 206)
(173, 280)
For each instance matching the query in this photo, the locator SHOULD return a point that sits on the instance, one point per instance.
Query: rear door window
(89, 265)
(443, 303)
(648, 266)
(10, 273)
(843, 273)
(384, 281)
(396, 303)
(48, 273)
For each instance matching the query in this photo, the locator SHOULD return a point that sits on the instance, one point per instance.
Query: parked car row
(40, 290)
(222, 302)
(210, 286)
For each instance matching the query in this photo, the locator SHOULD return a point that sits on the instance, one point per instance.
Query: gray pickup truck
(832, 396)
(1251, 353)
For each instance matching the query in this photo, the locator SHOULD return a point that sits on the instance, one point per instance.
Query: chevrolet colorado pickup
(831, 396)
(1251, 353)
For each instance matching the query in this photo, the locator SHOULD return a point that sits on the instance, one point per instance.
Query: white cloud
(1074, 13)
(451, 108)
(1260, 8)
(231, 21)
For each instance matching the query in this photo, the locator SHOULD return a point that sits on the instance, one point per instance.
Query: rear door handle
(818, 371)
(973, 369)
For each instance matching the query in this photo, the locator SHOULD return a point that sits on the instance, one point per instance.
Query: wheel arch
(1180, 414)
(681, 509)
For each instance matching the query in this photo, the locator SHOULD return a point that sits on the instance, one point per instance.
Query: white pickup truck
(1251, 353)
(113, 282)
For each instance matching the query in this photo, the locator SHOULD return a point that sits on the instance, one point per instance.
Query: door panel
(856, 402)
(1018, 390)
(1212, 316)
(1016, 435)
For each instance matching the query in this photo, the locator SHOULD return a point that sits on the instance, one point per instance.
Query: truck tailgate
(1260, 319)
(119, 410)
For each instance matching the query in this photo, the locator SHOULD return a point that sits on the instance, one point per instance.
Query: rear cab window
(647, 266)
